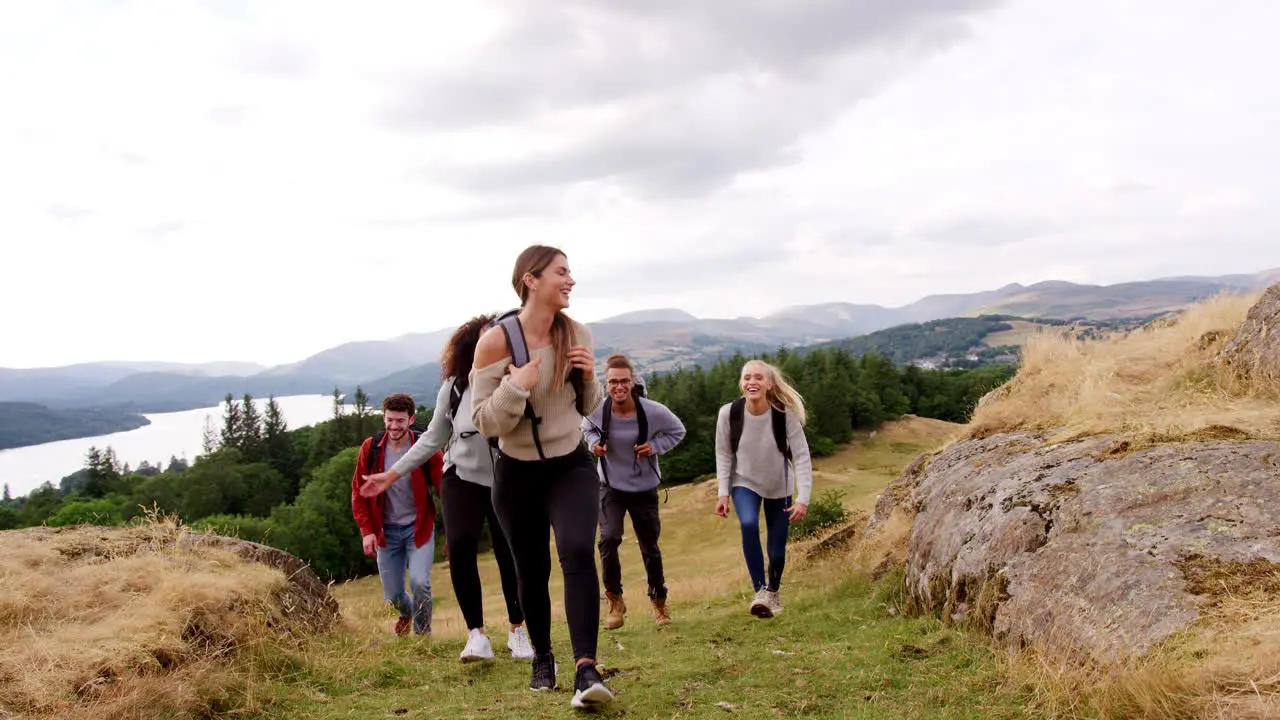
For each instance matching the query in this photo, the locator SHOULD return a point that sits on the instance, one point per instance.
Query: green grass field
(840, 649)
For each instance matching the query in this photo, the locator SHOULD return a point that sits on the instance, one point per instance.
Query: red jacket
(368, 511)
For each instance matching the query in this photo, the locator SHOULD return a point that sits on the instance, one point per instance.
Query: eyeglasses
(618, 383)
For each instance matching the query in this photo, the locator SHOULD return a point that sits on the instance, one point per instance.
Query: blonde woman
(762, 456)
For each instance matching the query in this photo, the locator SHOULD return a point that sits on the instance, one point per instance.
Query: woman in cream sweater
(545, 477)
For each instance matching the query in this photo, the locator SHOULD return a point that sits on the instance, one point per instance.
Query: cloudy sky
(227, 180)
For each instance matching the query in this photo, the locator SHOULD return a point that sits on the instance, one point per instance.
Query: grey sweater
(627, 472)
(467, 449)
(758, 465)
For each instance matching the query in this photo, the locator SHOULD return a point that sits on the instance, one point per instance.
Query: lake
(175, 434)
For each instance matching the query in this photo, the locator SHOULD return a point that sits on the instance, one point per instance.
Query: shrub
(824, 511)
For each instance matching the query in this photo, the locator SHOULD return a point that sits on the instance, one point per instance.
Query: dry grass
(1226, 666)
(1161, 383)
(130, 622)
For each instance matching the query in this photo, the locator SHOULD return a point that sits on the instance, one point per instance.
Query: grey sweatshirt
(468, 450)
(627, 472)
(758, 465)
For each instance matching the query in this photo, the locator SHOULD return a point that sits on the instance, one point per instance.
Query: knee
(577, 557)
(610, 540)
(750, 524)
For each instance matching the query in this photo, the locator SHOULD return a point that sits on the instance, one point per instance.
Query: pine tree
(209, 442)
(362, 413)
(231, 422)
(8, 497)
(251, 432)
(279, 451)
(103, 471)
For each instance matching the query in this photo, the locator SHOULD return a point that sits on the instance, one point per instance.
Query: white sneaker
(774, 599)
(478, 647)
(518, 643)
(760, 606)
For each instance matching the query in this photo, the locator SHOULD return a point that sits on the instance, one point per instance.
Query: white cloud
(206, 180)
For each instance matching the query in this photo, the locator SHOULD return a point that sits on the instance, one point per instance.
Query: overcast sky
(227, 180)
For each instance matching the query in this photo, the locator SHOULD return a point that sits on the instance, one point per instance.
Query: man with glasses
(627, 433)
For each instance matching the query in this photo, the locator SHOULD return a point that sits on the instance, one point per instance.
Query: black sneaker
(544, 672)
(589, 690)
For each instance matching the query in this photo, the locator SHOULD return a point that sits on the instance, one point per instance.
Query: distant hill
(422, 382)
(23, 424)
(658, 339)
(648, 316)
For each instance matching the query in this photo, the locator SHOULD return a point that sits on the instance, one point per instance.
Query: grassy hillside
(840, 649)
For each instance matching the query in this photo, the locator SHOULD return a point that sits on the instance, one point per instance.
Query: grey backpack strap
(515, 340)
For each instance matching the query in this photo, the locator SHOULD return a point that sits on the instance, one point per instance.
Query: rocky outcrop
(1081, 545)
(1255, 348)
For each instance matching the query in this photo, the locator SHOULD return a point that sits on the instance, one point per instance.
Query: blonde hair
(781, 394)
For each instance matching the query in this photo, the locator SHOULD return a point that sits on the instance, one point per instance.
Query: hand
(599, 450)
(527, 376)
(722, 506)
(644, 450)
(370, 545)
(798, 511)
(378, 483)
(581, 358)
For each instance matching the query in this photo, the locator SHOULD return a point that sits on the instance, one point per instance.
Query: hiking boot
(478, 647)
(660, 614)
(403, 625)
(518, 643)
(544, 672)
(589, 690)
(617, 612)
(760, 605)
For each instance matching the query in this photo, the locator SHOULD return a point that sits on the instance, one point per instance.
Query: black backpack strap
(455, 396)
(375, 454)
(643, 421)
(780, 432)
(606, 414)
(736, 409)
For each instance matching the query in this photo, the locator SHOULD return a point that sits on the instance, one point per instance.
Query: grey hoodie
(627, 472)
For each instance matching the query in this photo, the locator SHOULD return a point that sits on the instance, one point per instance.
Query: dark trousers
(532, 497)
(643, 507)
(467, 506)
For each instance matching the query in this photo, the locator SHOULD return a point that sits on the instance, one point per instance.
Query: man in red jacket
(398, 525)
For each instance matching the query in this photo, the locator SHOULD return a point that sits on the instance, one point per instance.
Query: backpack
(519, 350)
(606, 414)
(375, 449)
(460, 385)
(779, 418)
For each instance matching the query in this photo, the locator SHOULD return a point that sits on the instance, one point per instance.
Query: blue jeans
(746, 503)
(393, 560)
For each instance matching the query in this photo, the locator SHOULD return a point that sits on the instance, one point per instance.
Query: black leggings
(466, 507)
(532, 497)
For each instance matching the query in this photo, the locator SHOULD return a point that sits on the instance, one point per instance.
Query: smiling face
(553, 284)
(756, 381)
(619, 381)
(397, 424)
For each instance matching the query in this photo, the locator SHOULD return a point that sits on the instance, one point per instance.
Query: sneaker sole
(593, 698)
(761, 611)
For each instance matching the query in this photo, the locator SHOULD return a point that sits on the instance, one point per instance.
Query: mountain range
(657, 339)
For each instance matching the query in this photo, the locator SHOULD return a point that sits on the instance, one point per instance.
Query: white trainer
(478, 647)
(760, 606)
(518, 643)
(774, 599)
